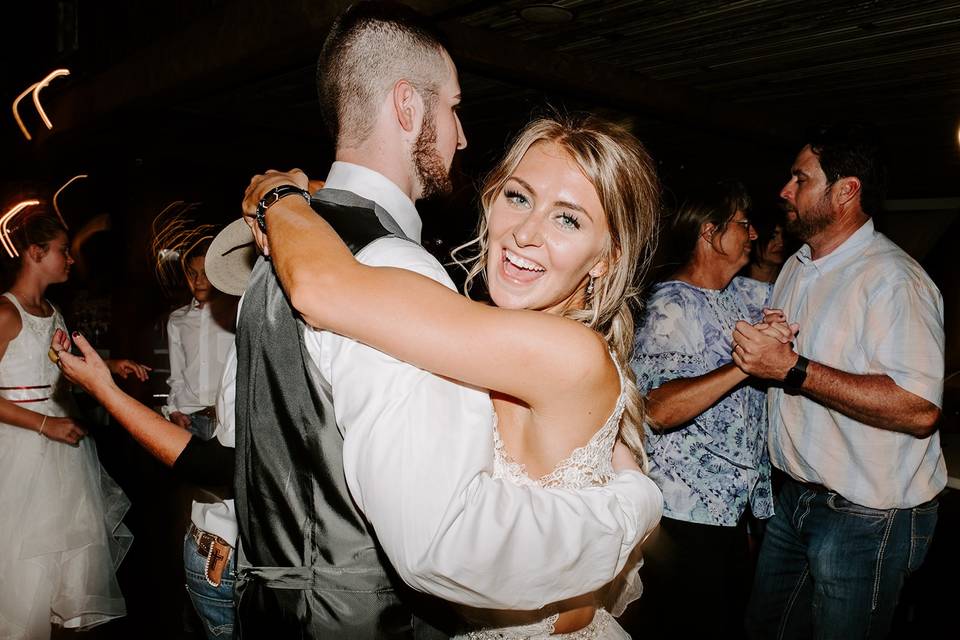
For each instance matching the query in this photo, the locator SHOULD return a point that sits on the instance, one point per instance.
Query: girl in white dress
(568, 228)
(60, 513)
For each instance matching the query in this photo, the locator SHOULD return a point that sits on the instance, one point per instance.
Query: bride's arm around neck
(545, 360)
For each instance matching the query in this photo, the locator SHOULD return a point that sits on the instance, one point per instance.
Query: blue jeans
(829, 568)
(202, 425)
(214, 605)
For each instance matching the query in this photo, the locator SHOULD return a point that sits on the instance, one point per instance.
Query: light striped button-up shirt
(865, 308)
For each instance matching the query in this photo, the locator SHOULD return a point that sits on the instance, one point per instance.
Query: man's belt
(215, 549)
(207, 412)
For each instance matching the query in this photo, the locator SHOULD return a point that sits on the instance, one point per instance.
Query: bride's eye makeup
(515, 197)
(568, 220)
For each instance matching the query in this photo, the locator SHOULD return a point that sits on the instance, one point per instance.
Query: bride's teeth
(522, 263)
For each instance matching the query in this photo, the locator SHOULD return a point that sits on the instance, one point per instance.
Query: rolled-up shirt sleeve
(418, 457)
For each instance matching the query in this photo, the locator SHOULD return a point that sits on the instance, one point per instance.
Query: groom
(317, 412)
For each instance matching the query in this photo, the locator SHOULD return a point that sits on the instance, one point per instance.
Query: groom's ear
(407, 105)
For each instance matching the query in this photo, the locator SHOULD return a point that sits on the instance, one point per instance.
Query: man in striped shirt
(853, 407)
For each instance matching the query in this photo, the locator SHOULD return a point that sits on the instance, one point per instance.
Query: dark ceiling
(204, 92)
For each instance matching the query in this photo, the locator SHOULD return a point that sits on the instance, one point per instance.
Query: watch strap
(271, 197)
(797, 374)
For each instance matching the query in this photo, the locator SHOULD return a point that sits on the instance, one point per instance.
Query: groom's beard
(434, 177)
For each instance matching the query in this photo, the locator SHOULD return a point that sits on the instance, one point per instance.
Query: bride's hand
(623, 458)
(258, 187)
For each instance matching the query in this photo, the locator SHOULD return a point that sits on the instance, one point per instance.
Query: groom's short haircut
(370, 47)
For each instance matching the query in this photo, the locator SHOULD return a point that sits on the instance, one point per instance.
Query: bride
(568, 228)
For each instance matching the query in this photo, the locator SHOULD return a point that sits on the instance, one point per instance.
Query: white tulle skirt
(61, 536)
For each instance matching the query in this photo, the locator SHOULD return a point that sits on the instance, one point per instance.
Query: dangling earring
(590, 287)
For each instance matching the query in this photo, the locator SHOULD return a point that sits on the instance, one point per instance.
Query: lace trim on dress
(543, 630)
(590, 465)
(586, 466)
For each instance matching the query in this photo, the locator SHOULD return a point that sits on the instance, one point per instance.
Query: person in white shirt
(198, 342)
(417, 449)
(853, 418)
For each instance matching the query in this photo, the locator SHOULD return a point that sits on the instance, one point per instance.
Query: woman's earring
(590, 287)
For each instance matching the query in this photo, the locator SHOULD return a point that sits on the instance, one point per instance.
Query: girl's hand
(623, 459)
(89, 370)
(124, 367)
(65, 430)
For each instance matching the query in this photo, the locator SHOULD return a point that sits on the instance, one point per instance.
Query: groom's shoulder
(391, 251)
(357, 226)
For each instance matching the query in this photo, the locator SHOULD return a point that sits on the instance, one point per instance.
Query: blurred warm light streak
(5, 220)
(35, 89)
(65, 185)
(175, 233)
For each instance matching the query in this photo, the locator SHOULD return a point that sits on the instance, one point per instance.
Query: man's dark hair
(852, 150)
(370, 47)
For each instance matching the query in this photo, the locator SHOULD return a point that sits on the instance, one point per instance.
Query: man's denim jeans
(830, 568)
(214, 605)
(202, 425)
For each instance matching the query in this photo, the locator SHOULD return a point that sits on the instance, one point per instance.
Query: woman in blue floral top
(706, 431)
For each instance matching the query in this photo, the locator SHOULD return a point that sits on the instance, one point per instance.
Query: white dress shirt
(418, 454)
(865, 308)
(198, 348)
(217, 516)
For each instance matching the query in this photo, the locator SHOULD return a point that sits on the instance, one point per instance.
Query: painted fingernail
(75, 334)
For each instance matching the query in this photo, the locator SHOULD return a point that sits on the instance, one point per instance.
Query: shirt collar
(859, 239)
(375, 186)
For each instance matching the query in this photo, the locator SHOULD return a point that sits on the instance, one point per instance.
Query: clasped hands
(765, 350)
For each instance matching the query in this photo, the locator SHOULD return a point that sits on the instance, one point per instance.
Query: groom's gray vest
(309, 566)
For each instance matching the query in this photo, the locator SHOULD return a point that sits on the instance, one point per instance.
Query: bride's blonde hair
(623, 173)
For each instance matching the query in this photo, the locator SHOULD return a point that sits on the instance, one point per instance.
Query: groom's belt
(215, 549)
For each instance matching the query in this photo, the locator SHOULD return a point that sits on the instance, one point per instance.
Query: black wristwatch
(270, 198)
(797, 374)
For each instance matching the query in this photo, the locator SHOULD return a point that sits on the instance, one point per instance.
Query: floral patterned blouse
(712, 467)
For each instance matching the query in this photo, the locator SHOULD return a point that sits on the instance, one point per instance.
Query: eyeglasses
(744, 223)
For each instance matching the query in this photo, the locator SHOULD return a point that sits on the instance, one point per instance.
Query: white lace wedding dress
(587, 466)
(60, 512)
